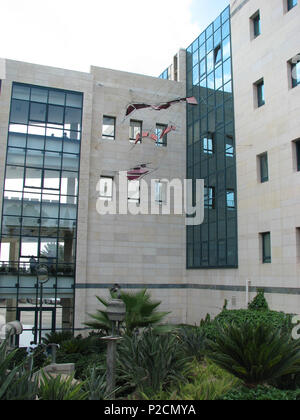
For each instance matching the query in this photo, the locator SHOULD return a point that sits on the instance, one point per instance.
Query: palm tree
(255, 354)
(140, 312)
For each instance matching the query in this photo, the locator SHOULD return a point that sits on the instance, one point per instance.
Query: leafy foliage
(261, 393)
(193, 341)
(271, 319)
(259, 303)
(204, 382)
(57, 337)
(60, 389)
(208, 383)
(150, 362)
(141, 312)
(15, 383)
(255, 354)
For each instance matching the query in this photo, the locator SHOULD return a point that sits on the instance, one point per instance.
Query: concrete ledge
(60, 369)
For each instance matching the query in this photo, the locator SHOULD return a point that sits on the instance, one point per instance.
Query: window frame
(290, 5)
(107, 136)
(260, 98)
(106, 197)
(266, 257)
(164, 141)
(294, 68)
(209, 199)
(261, 157)
(256, 24)
(131, 131)
(130, 199)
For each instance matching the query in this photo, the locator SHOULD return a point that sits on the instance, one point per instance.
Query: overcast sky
(139, 36)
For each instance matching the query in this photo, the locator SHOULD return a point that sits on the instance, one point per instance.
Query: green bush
(261, 393)
(60, 389)
(150, 362)
(259, 303)
(271, 319)
(141, 312)
(193, 342)
(208, 383)
(15, 382)
(255, 354)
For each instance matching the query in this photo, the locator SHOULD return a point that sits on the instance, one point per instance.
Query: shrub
(193, 342)
(141, 312)
(259, 303)
(255, 354)
(261, 393)
(60, 389)
(209, 383)
(150, 362)
(271, 319)
(57, 337)
(15, 382)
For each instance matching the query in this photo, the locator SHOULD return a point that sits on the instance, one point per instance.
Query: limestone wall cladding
(141, 249)
(273, 206)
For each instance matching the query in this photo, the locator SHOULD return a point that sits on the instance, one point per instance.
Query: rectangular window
(106, 188)
(256, 24)
(260, 93)
(218, 55)
(230, 199)
(208, 144)
(160, 192)
(229, 148)
(291, 4)
(109, 128)
(162, 137)
(263, 167)
(295, 71)
(209, 197)
(296, 145)
(298, 244)
(135, 131)
(133, 191)
(266, 247)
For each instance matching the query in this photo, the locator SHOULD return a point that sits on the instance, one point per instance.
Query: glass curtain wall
(39, 218)
(211, 146)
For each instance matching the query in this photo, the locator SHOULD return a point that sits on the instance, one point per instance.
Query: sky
(139, 36)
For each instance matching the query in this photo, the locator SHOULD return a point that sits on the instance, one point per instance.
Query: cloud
(139, 36)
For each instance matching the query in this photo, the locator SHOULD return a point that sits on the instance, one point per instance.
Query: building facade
(65, 138)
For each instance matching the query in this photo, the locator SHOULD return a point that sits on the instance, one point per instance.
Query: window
(209, 197)
(218, 54)
(297, 146)
(133, 191)
(291, 4)
(230, 199)
(298, 244)
(161, 137)
(263, 167)
(295, 71)
(256, 24)
(109, 128)
(208, 144)
(266, 247)
(106, 188)
(260, 93)
(135, 130)
(160, 192)
(229, 148)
